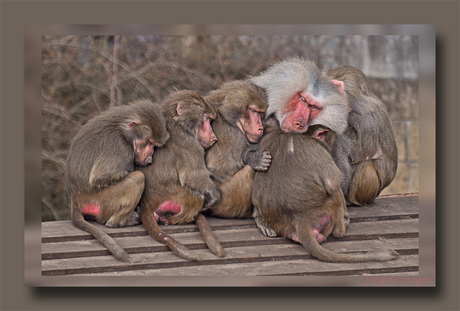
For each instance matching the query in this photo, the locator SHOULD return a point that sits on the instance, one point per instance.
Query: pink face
(251, 124)
(205, 134)
(299, 110)
(143, 151)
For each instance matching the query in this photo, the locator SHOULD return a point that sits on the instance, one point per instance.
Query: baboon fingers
(265, 229)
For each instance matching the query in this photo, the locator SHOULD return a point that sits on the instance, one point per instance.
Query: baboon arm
(104, 172)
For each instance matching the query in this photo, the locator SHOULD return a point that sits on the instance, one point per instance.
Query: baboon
(366, 151)
(300, 196)
(178, 186)
(240, 107)
(99, 173)
(300, 95)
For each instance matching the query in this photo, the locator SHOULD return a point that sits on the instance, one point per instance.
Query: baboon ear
(364, 89)
(321, 135)
(132, 124)
(340, 86)
(179, 108)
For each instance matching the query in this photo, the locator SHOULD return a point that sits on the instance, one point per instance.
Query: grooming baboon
(240, 107)
(300, 95)
(366, 151)
(99, 174)
(178, 185)
(300, 196)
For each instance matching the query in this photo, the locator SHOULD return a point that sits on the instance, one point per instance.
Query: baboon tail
(208, 236)
(155, 232)
(117, 251)
(308, 240)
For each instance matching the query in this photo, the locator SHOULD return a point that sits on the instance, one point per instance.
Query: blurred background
(85, 75)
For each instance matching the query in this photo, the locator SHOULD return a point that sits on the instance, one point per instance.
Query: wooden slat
(249, 237)
(386, 209)
(387, 223)
(408, 265)
(234, 255)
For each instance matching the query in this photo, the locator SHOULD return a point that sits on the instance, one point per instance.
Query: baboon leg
(115, 204)
(342, 219)
(365, 185)
(236, 196)
(185, 206)
(267, 230)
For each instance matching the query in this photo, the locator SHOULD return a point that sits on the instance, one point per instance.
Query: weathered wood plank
(193, 240)
(283, 267)
(398, 207)
(388, 223)
(162, 260)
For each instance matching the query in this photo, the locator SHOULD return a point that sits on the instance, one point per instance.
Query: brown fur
(301, 189)
(365, 185)
(99, 169)
(300, 96)
(342, 100)
(178, 173)
(233, 159)
(366, 151)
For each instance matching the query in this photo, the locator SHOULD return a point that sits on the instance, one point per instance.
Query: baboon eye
(303, 99)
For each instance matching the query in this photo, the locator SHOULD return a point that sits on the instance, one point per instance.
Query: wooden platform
(388, 223)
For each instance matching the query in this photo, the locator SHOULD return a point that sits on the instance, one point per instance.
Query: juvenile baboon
(366, 151)
(99, 173)
(178, 185)
(240, 107)
(300, 196)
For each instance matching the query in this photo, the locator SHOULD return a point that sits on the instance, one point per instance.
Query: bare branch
(109, 57)
(51, 208)
(50, 157)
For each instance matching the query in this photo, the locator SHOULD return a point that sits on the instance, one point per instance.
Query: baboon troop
(292, 147)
